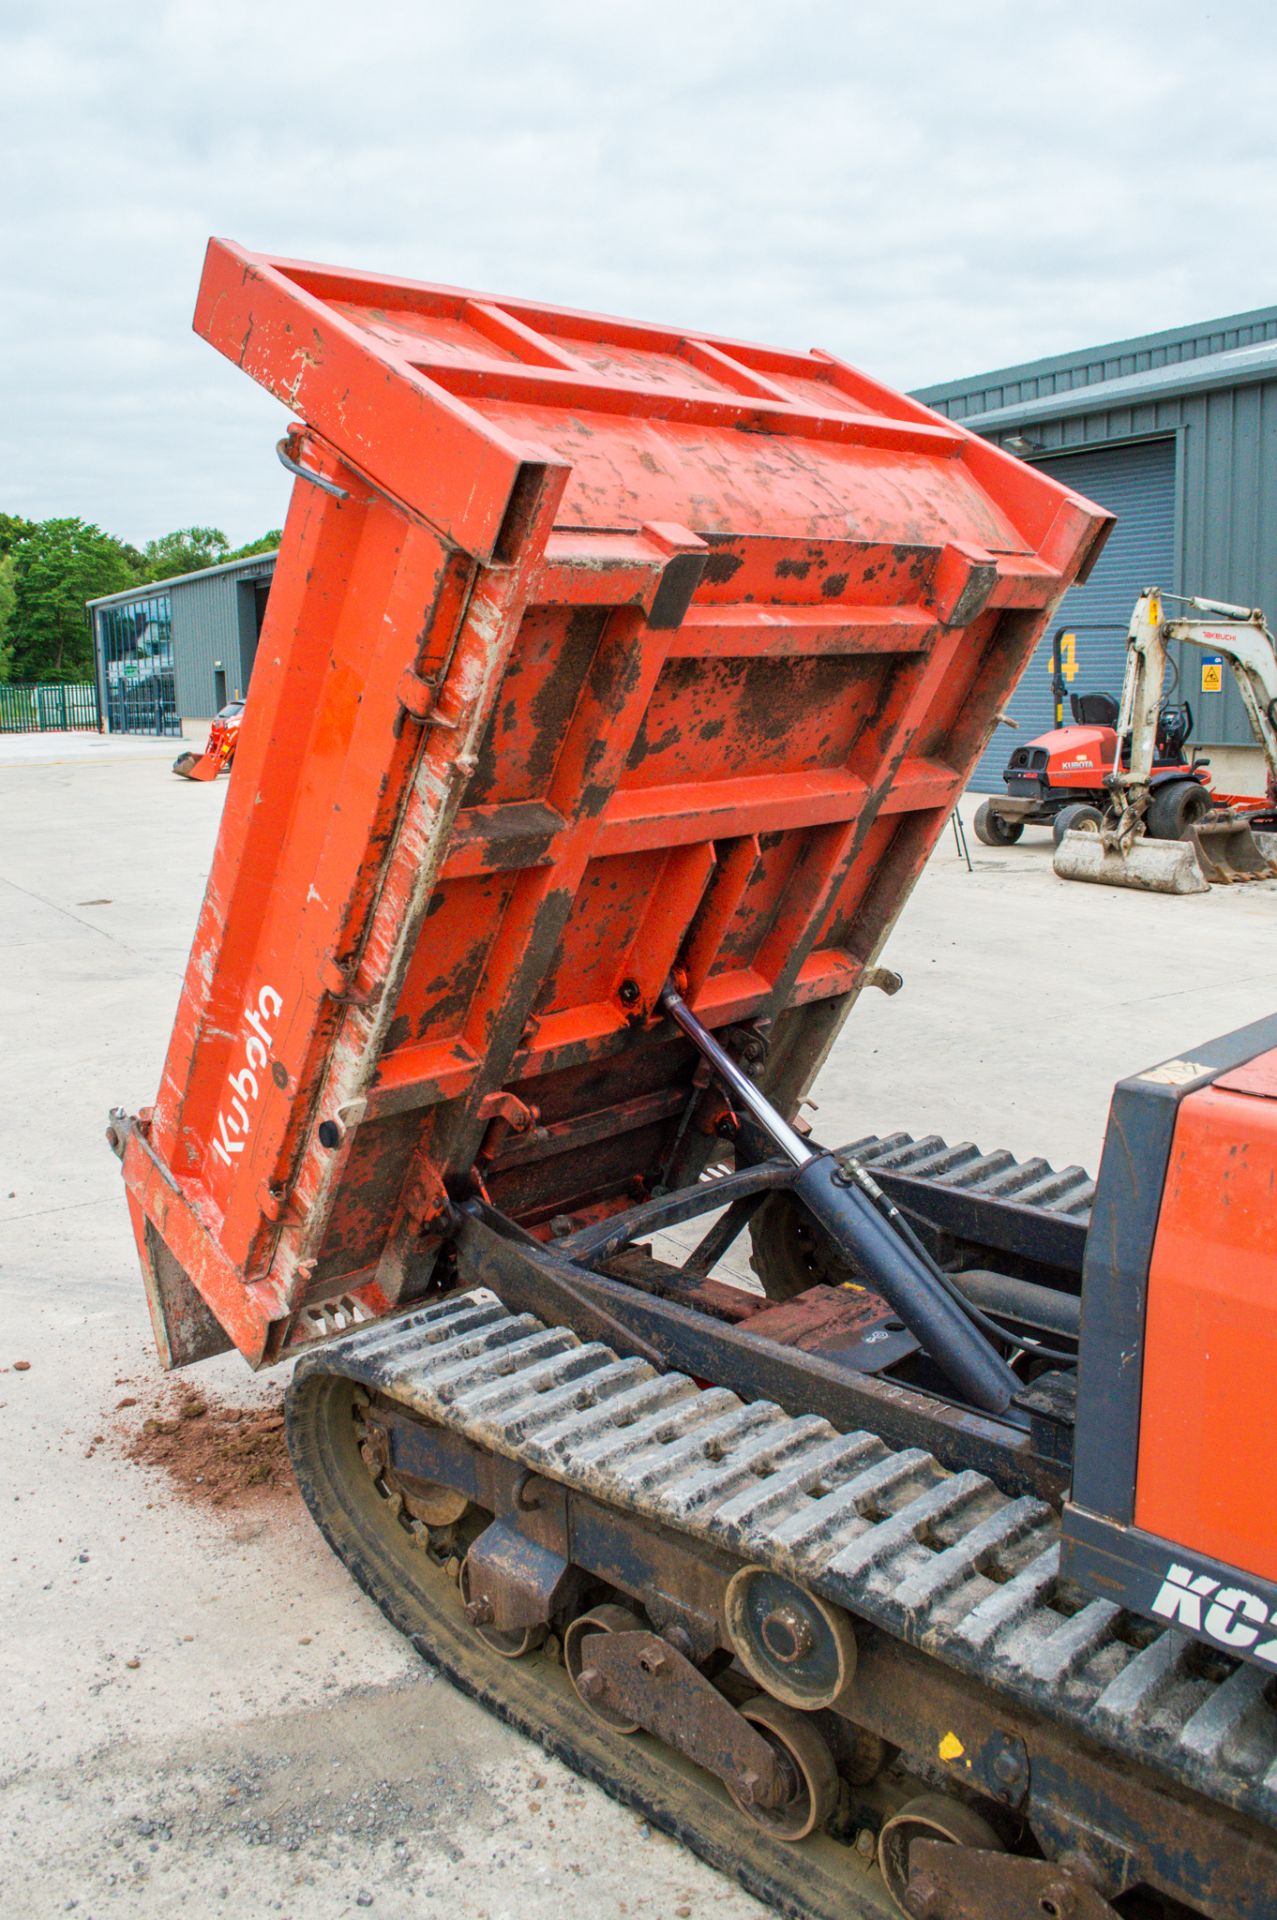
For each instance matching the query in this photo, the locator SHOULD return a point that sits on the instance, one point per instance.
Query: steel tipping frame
(676, 1333)
(441, 498)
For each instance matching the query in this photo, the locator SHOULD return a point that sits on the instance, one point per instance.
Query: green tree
(267, 543)
(12, 529)
(57, 566)
(7, 564)
(185, 551)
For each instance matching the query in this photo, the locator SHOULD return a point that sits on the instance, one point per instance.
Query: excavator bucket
(196, 766)
(1147, 866)
(1229, 850)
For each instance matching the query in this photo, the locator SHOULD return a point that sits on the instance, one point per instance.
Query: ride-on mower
(616, 685)
(1057, 779)
(223, 737)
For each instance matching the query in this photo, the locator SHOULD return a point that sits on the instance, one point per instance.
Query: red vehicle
(220, 751)
(615, 687)
(1058, 780)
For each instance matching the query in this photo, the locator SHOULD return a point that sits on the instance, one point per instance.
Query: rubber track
(1026, 1183)
(943, 1561)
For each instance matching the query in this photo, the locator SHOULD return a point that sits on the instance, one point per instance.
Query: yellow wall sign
(1213, 674)
(1068, 656)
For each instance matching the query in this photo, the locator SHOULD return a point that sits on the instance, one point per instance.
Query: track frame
(561, 1284)
(1104, 1825)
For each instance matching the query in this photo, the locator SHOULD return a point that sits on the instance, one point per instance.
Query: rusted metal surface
(652, 1477)
(968, 1883)
(493, 1253)
(640, 1677)
(1228, 851)
(607, 647)
(512, 1580)
(799, 1650)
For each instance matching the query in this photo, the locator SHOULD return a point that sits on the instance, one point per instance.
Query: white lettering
(234, 1117)
(1181, 1597)
(225, 1147)
(1222, 1622)
(244, 1083)
(254, 1020)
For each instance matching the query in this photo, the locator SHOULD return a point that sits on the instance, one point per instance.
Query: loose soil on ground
(212, 1454)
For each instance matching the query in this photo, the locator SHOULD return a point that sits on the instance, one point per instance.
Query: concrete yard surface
(202, 1714)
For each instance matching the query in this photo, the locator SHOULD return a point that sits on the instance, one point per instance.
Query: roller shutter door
(1137, 483)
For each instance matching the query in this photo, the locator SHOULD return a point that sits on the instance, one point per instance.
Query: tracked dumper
(615, 686)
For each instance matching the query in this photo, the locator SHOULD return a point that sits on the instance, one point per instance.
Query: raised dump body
(594, 651)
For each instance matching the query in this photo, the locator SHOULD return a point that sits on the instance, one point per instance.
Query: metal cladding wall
(1210, 392)
(1137, 483)
(1036, 381)
(208, 629)
(212, 621)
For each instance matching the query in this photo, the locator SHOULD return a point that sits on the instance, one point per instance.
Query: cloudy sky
(926, 190)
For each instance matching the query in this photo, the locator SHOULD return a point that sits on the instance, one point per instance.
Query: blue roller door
(1137, 483)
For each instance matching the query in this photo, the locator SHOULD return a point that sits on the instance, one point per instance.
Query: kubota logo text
(1230, 1616)
(236, 1117)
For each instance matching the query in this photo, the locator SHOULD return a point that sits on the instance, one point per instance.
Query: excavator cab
(1174, 730)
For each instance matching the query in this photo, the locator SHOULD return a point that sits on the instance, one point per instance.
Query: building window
(135, 646)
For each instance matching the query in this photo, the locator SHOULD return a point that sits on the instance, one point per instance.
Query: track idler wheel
(576, 1659)
(931, 1816)
(808, 1763)
(797, 1646)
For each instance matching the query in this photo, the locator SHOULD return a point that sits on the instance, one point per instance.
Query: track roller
(601, 1619)
(808, 1764)
(931, 1816)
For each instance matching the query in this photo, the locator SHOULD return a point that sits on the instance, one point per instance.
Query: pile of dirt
(218, 1455)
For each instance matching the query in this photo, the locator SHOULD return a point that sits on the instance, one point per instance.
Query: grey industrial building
(1176, 433)
(178, 650)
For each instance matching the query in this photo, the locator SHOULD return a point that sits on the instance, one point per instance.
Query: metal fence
(49, 709)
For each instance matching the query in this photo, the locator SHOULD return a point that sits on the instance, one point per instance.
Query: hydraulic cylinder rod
(849, 1215)
(774, 1125)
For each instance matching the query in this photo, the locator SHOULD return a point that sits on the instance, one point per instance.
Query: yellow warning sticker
(1212, 676)
(951, 1748)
